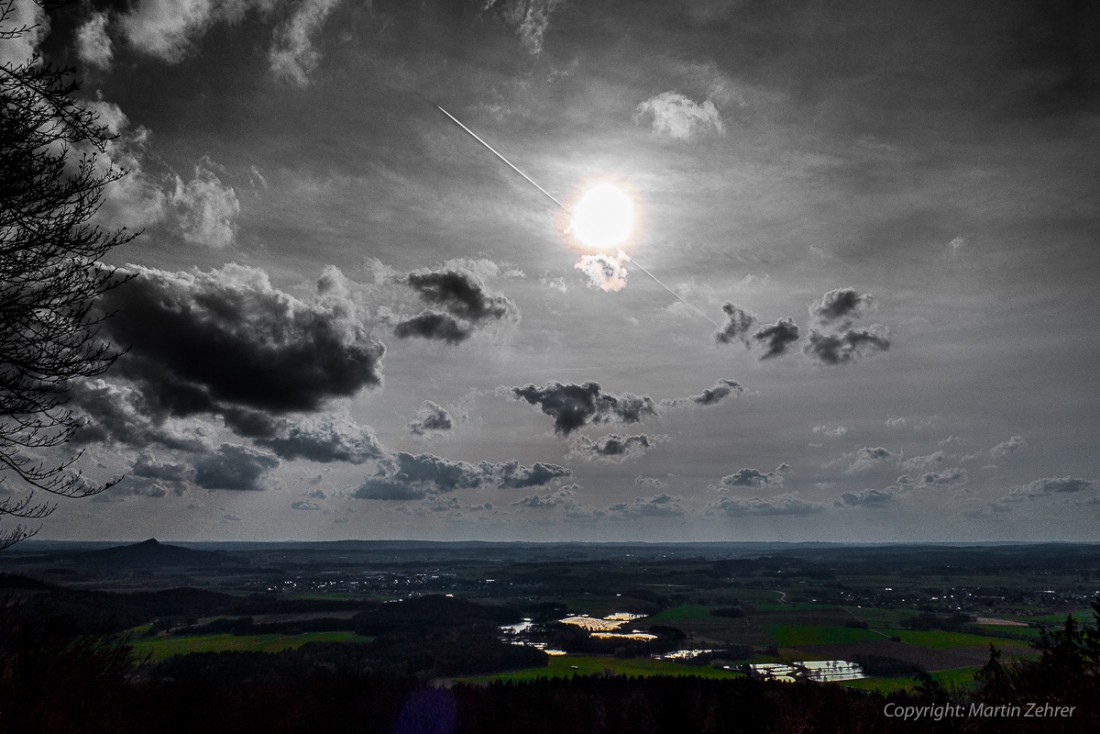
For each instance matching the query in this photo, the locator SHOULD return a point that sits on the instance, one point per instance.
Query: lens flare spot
(603, 217)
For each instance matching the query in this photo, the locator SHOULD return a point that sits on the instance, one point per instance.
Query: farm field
(163, 647)
(950, 679)
(566, 666)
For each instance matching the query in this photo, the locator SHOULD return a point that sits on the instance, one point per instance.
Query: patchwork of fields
(777, 633)
(438, 610)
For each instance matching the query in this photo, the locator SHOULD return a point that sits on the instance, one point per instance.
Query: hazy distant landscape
(895, 618)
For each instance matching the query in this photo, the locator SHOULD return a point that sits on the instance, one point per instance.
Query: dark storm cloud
(229, 337)
(115, 413)
(737, 327)
(721, 390)
(847, 346)
(323, 438)
(233, 467)
(775, 338)
(840, 305)
(434, 325)
(572, 406)
(406, 476)
(613, 447)
(840, 343)
(754, 478)
(250, 423)
(661, 505)
(461, 295)
(430, 418)
(465, 303)
(784, 504)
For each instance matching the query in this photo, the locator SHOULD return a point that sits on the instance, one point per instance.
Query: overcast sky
(880, 225)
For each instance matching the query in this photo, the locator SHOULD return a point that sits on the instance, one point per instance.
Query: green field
(796, 635)
(1057, 620)
(160, 648)
(566, 666)
(685, 613)
(941, 640)
(954, 678)
(878, 618)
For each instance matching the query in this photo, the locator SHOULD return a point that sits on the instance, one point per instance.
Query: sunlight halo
(603, 217)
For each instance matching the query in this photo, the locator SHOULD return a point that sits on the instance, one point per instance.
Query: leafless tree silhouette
(52, 181)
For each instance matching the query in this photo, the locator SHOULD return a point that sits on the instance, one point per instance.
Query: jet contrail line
(498, 155)
(565, 209)
(675, 295)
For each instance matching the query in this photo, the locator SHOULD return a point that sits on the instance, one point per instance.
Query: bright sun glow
(603, 217)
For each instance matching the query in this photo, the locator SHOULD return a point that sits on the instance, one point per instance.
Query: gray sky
(351, 321)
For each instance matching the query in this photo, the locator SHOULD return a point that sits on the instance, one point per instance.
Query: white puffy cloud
(867, 458)
(784, 504)
(946, 478)
(606, 272)
(203, 209)
(168, 29)
(747, 477)
(1008, 447)
(93, 45)
(165, 28)
(431, 418)
(293, 55)
(404, 476)
(206, 209)
(673, 114)
(613, 447)
(919, 463)
(136, 200)
(530, 18)
(1055, 486)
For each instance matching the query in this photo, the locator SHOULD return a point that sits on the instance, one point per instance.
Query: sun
(602, 217)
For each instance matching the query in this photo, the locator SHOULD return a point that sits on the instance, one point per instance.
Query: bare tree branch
(51, 275)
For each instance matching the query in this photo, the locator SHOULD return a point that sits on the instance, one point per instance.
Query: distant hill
(151, 553)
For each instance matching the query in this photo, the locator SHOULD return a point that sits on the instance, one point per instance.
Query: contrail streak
(565, 209)
(498, 155)
(674, 293)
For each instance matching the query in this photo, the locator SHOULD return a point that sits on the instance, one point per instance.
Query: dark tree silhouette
(1066, 673)
(52, 181)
